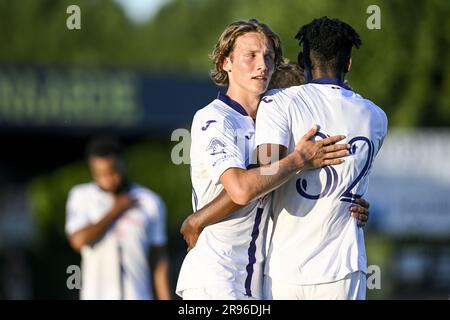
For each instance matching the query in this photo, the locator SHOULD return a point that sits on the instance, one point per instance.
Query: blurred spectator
(119, 228)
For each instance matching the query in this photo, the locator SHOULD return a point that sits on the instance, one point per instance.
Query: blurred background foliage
(404, 67)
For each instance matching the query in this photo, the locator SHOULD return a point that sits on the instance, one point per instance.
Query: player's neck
(248, 101)
(318, 74)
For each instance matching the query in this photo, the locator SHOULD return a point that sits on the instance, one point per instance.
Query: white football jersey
(314, 238)
(116, 266)
(228, 254)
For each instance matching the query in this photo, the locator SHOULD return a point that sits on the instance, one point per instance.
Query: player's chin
(260, 87)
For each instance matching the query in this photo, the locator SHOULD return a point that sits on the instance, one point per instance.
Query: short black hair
(104, 147)
(327, 43)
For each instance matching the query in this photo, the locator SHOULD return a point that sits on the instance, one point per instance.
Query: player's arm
(223, 205)
(217, 210)
(269, 153)
(159, 264)
(243, 186)
(90, 234)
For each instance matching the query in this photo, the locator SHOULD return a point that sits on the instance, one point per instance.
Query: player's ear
(348, 65)
(226, 65)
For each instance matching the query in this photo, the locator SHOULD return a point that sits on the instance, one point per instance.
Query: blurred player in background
(316, 250)
(119, 228)
(227, 262)
(288, 74)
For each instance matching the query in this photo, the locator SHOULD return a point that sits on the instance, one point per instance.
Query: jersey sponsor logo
(222, 159)
(216, 146)
(208, 123)
(267, 99)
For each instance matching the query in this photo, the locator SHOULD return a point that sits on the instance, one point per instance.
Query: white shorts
(213, 294)
(352, 287)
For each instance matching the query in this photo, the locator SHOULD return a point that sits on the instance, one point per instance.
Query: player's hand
(123, 202)
(360, 211)
(190, 230)
(320, 153)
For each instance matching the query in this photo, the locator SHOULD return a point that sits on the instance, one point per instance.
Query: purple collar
(333, 81)
(231, 103)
